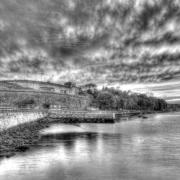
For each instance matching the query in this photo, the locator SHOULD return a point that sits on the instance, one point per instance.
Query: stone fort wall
(55, 100)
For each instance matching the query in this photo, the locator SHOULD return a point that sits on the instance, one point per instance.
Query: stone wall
(62, 100)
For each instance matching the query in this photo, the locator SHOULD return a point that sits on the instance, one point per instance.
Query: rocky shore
(20, 138)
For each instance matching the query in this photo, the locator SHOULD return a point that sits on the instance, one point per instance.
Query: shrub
(24, 103)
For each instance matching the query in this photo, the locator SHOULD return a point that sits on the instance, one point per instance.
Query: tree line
(115, 99)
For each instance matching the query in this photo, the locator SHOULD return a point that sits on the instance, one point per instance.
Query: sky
(168, 90)
(130, 44)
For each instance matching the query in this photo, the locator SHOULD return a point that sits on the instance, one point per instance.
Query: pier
(83, 116)
(97, 116)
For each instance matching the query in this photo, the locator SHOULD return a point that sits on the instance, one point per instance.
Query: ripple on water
(135, 150)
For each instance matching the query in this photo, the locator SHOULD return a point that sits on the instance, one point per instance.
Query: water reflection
(137, 150)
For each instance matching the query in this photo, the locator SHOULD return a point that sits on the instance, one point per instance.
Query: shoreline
(20, 138)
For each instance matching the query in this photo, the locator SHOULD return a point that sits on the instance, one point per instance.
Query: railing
(92, 114)
(13, 109)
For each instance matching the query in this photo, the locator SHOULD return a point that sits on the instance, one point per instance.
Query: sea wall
(14, 118)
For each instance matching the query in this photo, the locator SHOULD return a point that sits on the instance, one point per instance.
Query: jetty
(87, 116)
(71, 116)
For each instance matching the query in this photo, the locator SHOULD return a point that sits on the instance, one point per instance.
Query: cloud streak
(89, 40)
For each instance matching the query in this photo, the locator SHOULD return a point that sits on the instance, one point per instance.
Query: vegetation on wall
(25, 103)
(41, 100)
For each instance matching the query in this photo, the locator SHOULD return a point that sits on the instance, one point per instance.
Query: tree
(91, 85)
(105, 100)
(24, 103)
(114, 99)
(69, 84)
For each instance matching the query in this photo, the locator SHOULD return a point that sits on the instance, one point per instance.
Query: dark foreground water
(142, 149)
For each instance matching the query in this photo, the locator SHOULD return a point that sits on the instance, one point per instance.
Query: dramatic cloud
(169, 90)
(104, 41)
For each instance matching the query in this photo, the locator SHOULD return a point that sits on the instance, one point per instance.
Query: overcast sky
(134, 45)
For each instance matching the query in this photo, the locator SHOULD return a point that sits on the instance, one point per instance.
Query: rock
(7, 154)
(22, 148)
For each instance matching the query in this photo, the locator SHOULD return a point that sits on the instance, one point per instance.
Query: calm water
(142, 149)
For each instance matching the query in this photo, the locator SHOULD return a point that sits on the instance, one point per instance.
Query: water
(142, 149)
